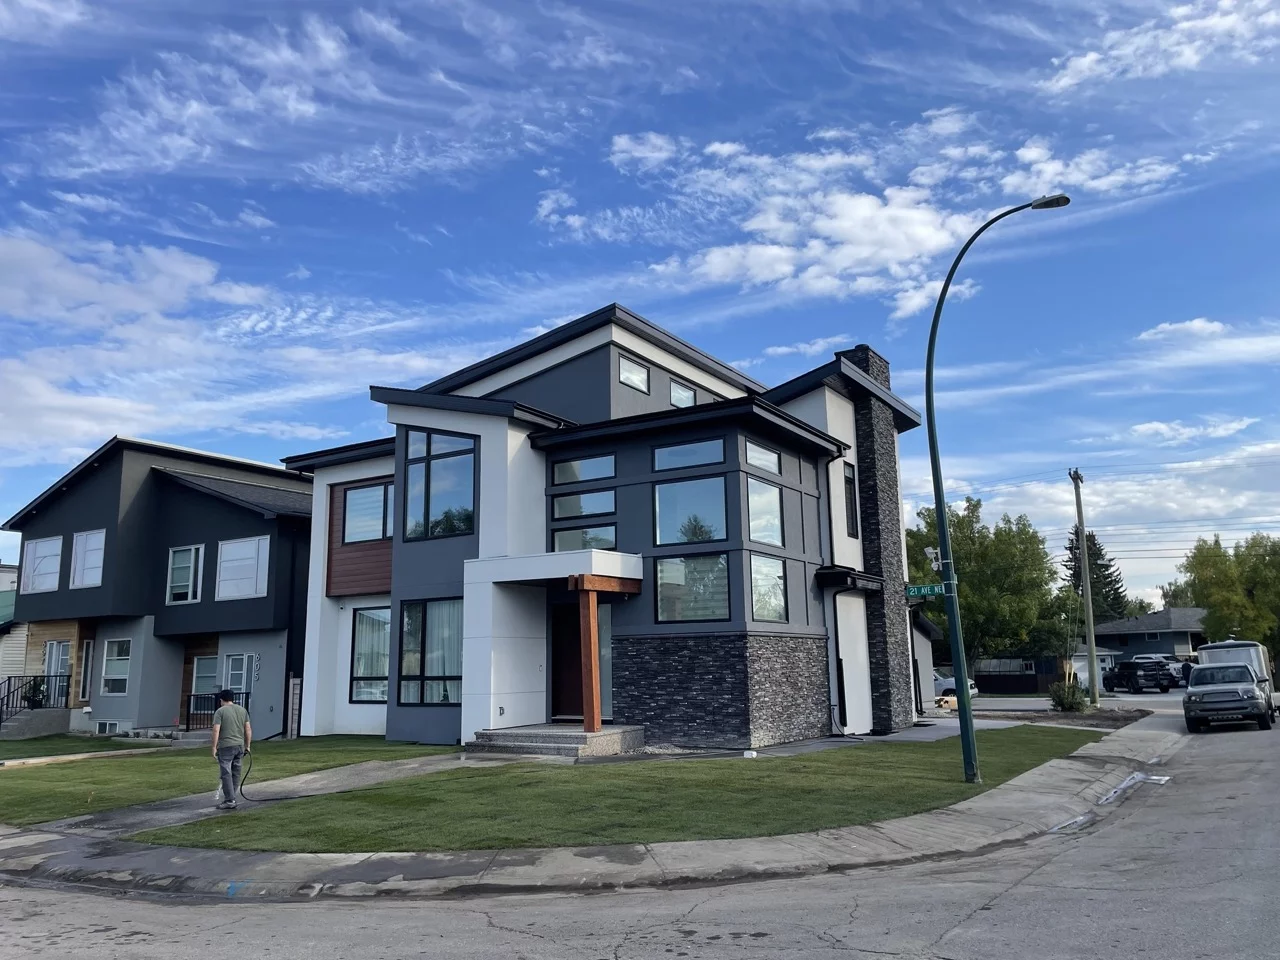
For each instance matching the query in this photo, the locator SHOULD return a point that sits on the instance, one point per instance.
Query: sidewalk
(1057, 794)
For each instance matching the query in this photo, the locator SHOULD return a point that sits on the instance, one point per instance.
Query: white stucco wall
(851, 617)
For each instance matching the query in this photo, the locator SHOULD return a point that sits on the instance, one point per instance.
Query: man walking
(232, 736)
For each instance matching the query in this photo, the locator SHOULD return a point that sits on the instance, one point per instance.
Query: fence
(33, 693)
(201, 706)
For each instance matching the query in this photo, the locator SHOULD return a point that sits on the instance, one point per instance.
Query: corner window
(693, 588)
(115, 667)
(366, 513)
(768, 589)
(587, 538)
(431, 652)
(41, 565)
(582, 504)
(689, 511)
(86, 559)
(440, 480)
(370, 654)
(850, 501)
(185, 564)
(688, 454)
(682, 396)
(632, 374)
(764, 458)
(764, 511)
(575, 471)
(242, 568)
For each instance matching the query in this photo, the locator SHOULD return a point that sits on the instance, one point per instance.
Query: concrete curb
(1057, 794)
(91, 755)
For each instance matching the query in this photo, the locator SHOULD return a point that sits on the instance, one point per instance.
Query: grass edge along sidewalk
(62, 744)
(39, 794)
(531, 805)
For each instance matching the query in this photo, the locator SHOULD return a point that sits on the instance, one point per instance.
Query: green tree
(1177, 593)
(1005, 579)
(1137, 607)
(1239, 588)
(1110, 602)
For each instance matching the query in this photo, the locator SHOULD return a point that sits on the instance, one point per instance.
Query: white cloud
(1199, 327)
(809, 348)
(1188, 37)
(917, 298)
(93, 202)
(385, 28)
(252, 218)
(645, 151)
(1094, 170)
(38, 21)
(1176, 433)
(298, 273)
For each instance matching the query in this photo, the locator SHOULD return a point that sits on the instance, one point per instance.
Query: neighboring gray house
(153, 575)
(1176, 630)
(736, 551)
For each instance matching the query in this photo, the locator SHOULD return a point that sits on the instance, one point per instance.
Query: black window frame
(723, 477)
(351, 669)
(428, 459)
(851, 526)
(588, 526)
(597, 456)
(782, 518)
(728, 585)
(582, 493)
(648, 375)
(746, 456)
(422, 678)
(653, 454)
(786, 604)
(671, 386)
(388, 488)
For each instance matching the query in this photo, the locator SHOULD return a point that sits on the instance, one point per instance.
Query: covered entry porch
(511, 638)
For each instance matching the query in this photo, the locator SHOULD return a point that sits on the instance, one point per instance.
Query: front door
(57, 666)
(566, 662)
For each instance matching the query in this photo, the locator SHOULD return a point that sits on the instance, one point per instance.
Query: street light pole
(960, 671)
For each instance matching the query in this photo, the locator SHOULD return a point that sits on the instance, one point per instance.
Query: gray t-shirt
(230, 718)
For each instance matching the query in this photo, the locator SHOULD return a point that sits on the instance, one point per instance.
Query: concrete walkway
(1061, 794)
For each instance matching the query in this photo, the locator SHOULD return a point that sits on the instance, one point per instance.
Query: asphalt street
(1178, 871)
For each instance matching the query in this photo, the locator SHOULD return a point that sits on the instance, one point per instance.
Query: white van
(1242, 651)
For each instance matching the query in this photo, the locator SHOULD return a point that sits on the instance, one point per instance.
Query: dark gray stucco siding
(90, 503)
(577, 389)
(628, 402)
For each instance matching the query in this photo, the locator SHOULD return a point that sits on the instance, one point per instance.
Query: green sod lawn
(61, 743)
(37, 794)
(536, 805)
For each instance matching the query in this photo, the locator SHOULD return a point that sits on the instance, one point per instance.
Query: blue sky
(217, 227)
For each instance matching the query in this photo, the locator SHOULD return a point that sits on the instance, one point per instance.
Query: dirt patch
(1098, 719)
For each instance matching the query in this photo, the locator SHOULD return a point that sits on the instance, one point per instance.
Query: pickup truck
(1135, 675)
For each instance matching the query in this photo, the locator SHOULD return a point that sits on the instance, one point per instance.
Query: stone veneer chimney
(880, 514)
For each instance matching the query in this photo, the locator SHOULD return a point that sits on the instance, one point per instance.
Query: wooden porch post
(589, 629)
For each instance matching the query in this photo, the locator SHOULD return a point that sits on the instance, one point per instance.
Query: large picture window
(764, 511)
(184, 574)
(115, 667)
(768, 589)
(242, 568)
(431, 652)
(41, 564)
(367, 513)
(693, 588)
(689, 511)
(86, 558)
(370, 654)
(440, 481)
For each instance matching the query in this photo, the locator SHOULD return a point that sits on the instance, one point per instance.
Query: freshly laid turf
(58, 744)
(534, 805)
(38, 794)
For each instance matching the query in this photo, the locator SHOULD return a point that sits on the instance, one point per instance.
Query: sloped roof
(336, 456)
(1190, 619)
(849, 381)
(266, 499)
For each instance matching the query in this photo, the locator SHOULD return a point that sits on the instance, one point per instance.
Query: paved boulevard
(1185, 870)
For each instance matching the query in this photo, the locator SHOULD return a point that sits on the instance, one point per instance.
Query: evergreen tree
(1110, 602)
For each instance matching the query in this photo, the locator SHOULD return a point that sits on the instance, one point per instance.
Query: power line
(1107, 468)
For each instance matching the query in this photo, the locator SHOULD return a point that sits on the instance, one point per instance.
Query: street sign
(915, 590)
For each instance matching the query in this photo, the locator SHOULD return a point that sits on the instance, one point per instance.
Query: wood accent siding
(355, 569)
(42, 632)
(199, 646)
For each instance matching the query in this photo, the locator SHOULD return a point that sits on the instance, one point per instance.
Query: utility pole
(1082, 542)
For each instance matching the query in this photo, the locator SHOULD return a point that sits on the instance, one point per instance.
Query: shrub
(1067, 697)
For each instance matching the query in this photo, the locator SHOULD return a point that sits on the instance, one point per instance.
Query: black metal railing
(201, 706)
(33, 693)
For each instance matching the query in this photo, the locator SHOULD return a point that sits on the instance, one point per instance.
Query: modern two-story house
(606, 524)
(151, 576)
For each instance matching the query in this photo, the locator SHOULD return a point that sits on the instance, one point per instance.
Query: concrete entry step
(558, 740)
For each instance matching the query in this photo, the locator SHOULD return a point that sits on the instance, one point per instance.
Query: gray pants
(229, 758)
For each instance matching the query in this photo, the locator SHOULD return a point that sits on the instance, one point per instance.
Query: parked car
(1172, 665)
(946, 686)
(1224, 692)
(1242, 651)
(1135, 676)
